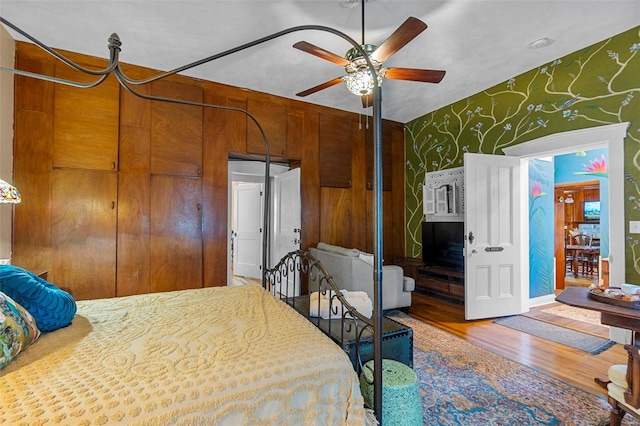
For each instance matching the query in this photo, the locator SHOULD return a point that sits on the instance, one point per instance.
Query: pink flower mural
(536, 190)
(597, 167)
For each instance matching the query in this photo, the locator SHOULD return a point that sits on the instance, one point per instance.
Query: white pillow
(366, 257)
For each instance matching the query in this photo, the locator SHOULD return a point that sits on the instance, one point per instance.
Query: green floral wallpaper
(595, 86)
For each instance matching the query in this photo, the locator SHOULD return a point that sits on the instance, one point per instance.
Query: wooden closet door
(176, 233)
(176, 130)
(83, 228)
(85, 135)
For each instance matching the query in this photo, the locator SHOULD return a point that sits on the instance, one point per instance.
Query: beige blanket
(223, 356)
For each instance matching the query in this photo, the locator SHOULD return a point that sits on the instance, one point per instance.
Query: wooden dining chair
(581, 257)
(584, 258)
(568, 254)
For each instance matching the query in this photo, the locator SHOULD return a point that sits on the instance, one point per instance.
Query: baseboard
(542, 300)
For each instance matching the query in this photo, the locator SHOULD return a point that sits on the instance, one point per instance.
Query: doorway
(245, 221)
(610, 137)
(578, 222)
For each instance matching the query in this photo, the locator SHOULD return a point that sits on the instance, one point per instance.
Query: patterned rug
(463, 384)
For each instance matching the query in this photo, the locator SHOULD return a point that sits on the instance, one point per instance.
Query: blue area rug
(575, 339)
(463, 384)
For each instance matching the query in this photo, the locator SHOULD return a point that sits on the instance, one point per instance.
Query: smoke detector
(541, 42)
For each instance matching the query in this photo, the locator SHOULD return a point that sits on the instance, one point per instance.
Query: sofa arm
(409, 284)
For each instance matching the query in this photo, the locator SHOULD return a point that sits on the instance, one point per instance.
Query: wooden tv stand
(441, 281)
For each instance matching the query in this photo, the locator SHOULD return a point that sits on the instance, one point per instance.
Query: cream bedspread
(224, 356)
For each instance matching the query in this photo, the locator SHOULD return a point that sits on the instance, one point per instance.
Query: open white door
(493, 274)
(247, 240)
(287, 216)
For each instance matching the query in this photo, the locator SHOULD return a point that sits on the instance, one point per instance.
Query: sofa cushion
(618, 375)
(339, 250)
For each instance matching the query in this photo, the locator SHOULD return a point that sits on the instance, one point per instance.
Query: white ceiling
(478, 42)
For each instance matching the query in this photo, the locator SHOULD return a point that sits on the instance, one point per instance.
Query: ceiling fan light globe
(361, 83)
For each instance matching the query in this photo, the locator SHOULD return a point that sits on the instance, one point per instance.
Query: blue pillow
(51, 307)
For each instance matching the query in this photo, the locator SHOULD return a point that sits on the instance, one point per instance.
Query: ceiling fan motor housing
(358, 62)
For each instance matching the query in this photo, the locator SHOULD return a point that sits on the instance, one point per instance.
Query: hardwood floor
(570, 365)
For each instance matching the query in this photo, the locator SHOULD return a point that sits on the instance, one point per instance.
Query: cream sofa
(352, 270)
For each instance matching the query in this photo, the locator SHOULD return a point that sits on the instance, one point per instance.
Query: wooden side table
(616, 316)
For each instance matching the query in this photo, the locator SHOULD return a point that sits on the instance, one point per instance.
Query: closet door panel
(32, 94)
(85, 135)
(83, 228)
(176, 233)
(176, 130)
(215, 188)
(335, 151)
(32, 176)
(133, 276)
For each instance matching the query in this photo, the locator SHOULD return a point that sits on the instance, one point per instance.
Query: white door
(493, 277)
(287, 216)
(247, 232)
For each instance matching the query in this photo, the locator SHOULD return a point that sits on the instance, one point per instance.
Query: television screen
(443, 244)
(592, 210)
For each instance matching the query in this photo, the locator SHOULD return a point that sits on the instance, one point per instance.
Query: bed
(222, 355)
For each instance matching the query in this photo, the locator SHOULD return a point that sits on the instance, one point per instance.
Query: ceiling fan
(358, 79)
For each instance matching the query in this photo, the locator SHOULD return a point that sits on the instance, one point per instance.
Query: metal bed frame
(115, 44)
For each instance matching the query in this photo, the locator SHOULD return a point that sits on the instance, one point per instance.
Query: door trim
(609, 136)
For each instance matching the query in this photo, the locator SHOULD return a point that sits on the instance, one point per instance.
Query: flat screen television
(443, 244)
(592, 211)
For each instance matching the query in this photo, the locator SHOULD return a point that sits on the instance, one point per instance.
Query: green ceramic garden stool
(401, 405)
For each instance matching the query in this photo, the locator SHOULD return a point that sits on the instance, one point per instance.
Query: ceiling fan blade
(321, 87)
(321, 53)
(412, 74)
(400, 37)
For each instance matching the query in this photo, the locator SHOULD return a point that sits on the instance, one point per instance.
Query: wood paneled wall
(125, 196)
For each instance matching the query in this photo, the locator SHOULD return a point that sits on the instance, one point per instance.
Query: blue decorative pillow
(18, 329)
(51, 307)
